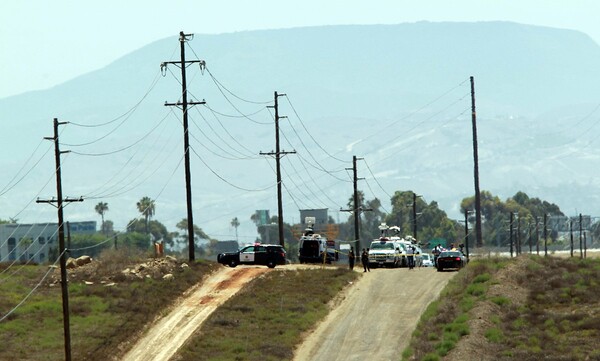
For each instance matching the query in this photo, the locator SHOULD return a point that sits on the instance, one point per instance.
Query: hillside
(397, 95)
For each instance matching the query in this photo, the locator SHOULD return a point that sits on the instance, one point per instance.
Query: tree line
(432, 224)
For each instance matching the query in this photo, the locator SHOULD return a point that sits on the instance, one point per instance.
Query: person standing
(410, 254)
(364, 257)
(351, 258)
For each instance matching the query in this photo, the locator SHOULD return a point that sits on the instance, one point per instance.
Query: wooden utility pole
(529, 238)
(182, 63)
(356, 208)
(537, 236)
(511, 233)
(571, 234)
(61, 239)
(580, 236)
(467, 232)
(414, 212)
(479, 240)
(278, 155)
(545, 235)
(518, 250)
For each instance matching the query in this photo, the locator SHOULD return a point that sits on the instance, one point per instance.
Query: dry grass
(101, 317)
(266, 319)
(530, 308)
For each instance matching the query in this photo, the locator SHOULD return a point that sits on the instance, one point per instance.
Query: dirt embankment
(162, 340)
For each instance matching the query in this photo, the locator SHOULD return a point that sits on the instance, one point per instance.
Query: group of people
(439, 249)
(410, 253)
(364, 258)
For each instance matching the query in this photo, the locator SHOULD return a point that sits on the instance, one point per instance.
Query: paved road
(377, 317)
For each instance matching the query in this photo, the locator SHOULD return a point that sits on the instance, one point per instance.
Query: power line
(225, 180)
(50, 269)
(220, 85)
(125, 147)
(309, 134)
(127, 114)
(8, 185)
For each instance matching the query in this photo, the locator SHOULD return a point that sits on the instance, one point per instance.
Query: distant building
(33, 242)
(320, 216)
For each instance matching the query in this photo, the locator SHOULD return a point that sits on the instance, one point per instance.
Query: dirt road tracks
(377, 318)
(169, 334)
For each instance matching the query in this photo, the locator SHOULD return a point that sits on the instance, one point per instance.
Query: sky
(45, 43)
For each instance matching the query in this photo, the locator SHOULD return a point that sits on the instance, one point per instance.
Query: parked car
(427, 260)
(268, 255)
(451, 260)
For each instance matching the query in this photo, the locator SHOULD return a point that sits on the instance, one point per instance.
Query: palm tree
(146, 207)
(235, 223)
(101, 208)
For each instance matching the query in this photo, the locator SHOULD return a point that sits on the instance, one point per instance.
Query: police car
(268, 255)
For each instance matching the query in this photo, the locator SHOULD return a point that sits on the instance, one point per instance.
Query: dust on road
(376, 318)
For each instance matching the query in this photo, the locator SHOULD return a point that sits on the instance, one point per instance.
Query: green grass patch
(500, 300)
(446, 319)
(494, 334)
(279, 307)
(101, 317)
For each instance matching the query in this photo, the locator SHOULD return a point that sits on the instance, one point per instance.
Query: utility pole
(356, 209)
(529, 239)
(278, 155)
(584, 245)
(479, 240)
(580, 236)
(537, 236)
(61, 239)
(467, 232)
(518, 250)
(182, 63)
(414, 212)
(511, 233)
(545, 235)
(571, 234)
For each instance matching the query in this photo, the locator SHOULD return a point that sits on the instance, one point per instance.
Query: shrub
(500, 300)
(494, 334)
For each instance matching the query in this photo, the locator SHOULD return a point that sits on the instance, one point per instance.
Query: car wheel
(271, 264)
(440, 269)
(232, 263)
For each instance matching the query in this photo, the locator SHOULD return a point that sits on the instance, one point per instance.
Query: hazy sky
(45, 42)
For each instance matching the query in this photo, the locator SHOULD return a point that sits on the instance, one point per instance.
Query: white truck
(385, 252)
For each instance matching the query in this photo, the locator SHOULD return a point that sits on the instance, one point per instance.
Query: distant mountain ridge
(347, 83)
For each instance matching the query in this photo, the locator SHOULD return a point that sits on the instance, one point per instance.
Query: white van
(314, 248)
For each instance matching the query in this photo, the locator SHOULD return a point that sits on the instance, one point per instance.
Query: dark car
(268, 255)
(451, 260)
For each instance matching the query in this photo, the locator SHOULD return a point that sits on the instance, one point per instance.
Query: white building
(33, 242)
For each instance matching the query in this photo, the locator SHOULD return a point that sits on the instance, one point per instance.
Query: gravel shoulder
(376, 318)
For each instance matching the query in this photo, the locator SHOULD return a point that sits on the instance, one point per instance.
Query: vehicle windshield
(425, 256)
(382, 245)
(450, 254)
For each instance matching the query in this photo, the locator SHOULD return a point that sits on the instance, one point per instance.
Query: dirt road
(373, 322)
(185, 318)
(377, 317)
